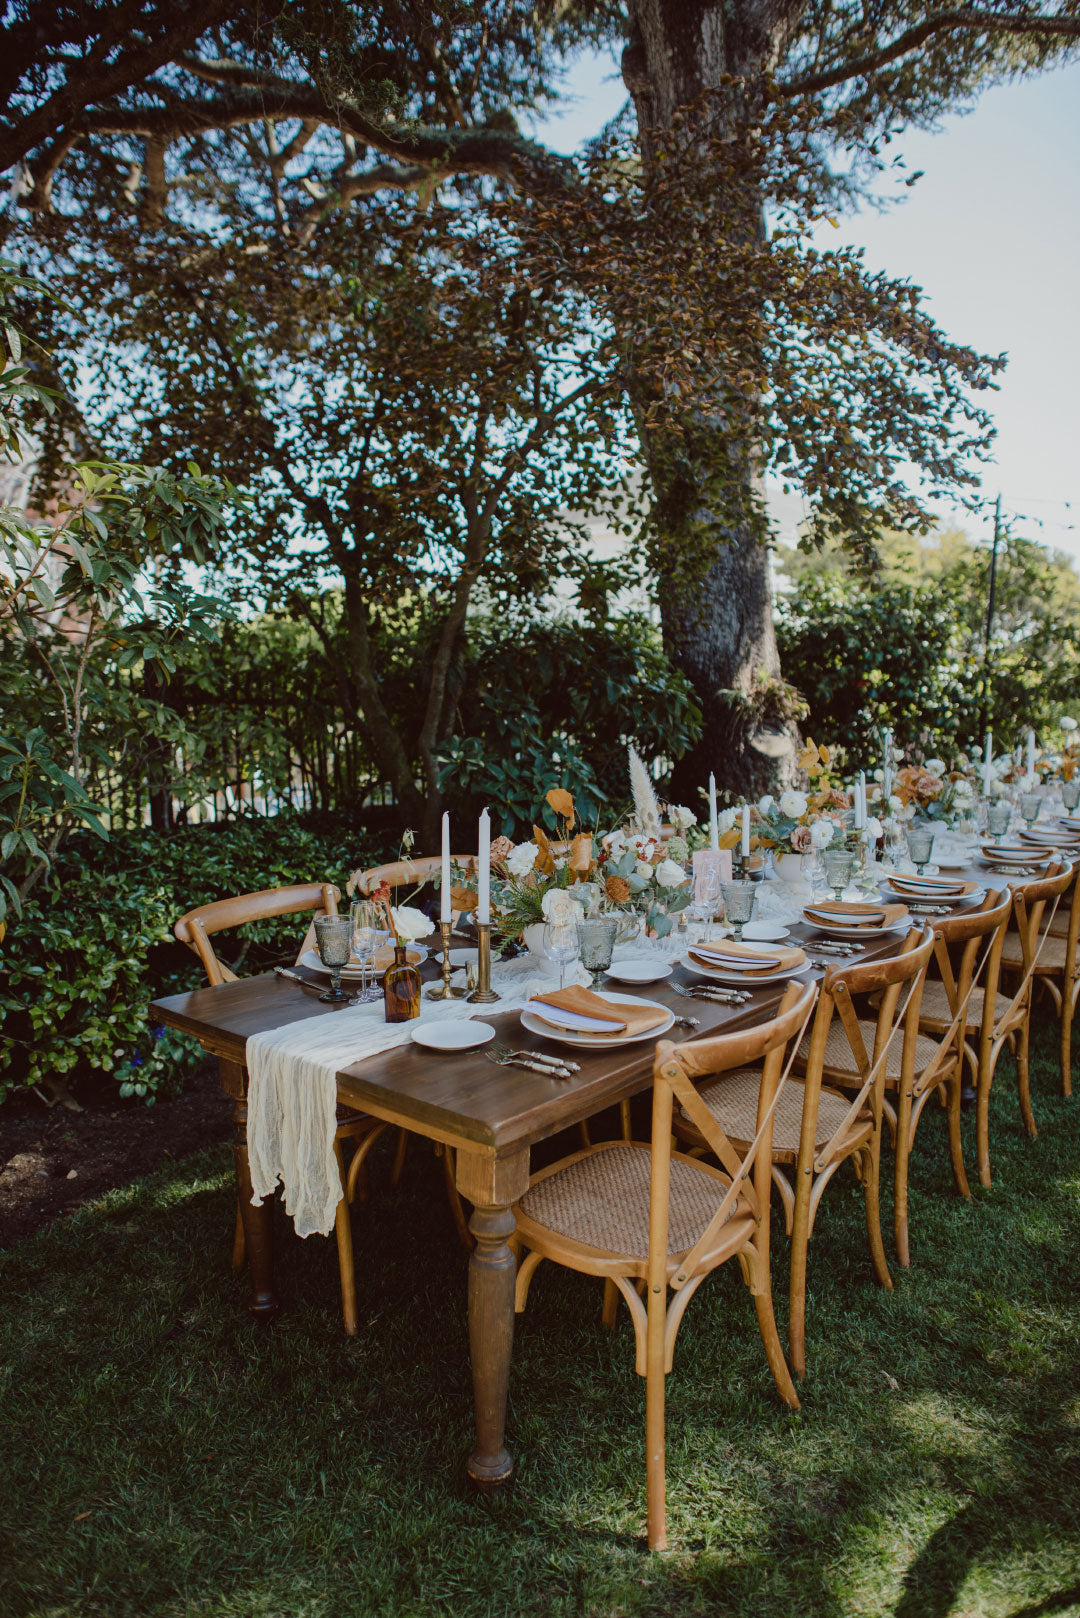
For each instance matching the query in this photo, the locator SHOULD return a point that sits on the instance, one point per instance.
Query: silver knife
(557, 1061)
(294, 977)
(558, 1071)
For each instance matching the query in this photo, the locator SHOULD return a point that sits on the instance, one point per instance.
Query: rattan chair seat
(840, 1059)
(1052, 957)
(733, 1102)
(937, 1014)
(602, 1201)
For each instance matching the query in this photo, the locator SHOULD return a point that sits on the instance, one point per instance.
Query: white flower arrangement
(681, 817)
(409, 924)
(521, 859)
(558, 906)
(793, 804)
(822, 833)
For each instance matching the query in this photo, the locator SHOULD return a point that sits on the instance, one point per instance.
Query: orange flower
(617, 889)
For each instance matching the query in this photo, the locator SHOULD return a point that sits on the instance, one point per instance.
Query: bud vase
(401, 988)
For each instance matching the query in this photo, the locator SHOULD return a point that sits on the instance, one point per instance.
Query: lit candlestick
(444, 887)
(483, 860)
(745, 847)
(714, 835)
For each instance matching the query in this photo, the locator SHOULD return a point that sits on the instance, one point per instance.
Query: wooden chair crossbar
(741, 1183)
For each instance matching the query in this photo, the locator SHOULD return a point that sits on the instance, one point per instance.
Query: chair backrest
(674, 1069)
(967, 948)
(1031, 918)
(195, 928)
(898, 980)
(401, 873)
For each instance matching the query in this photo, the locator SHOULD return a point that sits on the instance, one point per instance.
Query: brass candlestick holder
(483, 994)
(443, 990)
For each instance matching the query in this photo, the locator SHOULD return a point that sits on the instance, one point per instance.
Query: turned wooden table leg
(258, 1222)
(491, 1185)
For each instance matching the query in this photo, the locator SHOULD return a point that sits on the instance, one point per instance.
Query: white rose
(934, 766)
(793, 804)
(821, 833)
(873, 829)
(644, 870)
(616, 842)
(681, 817)
(521, 859)
(670, 875)
(907, 812)
(998, 788)
(410, 923)
(725, 820)
(766, 803)
(963, 793)
(1068, 724)
(878, 775)
(558, 906)
(895, 804)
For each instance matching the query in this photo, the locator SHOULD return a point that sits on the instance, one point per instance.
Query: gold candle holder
(443, 990)
(483, 994)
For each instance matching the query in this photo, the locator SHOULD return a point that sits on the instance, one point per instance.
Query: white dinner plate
(354, 971)
(639, 971)
(593, 1042)
(928, 896)
(453, 1036)
(739, 980)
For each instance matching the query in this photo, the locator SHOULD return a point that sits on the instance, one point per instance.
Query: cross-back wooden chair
(630, 1212)
(1032, 953)
(196, 930)
(967, 955)
(817, 1128)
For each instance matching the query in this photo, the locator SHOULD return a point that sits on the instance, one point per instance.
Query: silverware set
(828, 947)
(553, 1067)
(709, 991)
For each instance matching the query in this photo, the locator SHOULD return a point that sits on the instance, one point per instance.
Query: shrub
(95, 943)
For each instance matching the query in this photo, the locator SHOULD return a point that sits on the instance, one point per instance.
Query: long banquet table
(490, 1115)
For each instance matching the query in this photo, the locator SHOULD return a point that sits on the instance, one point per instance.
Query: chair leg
(583, 1131)
(1023, 1084)
(655, 1458)
(239, 1246)
(611, 1305)
(453, 1196)
(956, 1146)
(346, 1266)
(800, 1236)
(774, 1352)
(1066, 1036)
(399, 1157)
(982, 1123)
(903, 1155)
(872, 1198)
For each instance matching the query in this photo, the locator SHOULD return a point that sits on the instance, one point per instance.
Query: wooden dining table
(490, 1115)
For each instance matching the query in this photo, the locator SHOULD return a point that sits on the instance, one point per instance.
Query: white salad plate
(453, 1036)
(765, 932)
(639, 971)
(354, 971)
(598, 1042)
(734, 978)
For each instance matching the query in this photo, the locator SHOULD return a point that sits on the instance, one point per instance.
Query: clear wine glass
(333, 934)
(562, 944)
(706, 897)
(365, 918)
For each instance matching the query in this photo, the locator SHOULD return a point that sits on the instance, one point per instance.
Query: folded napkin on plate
(1072, 821)
(1044, 835)
(855, 918)
(733, 957)
(1007, 853)
(927, 884)
(590, 1014)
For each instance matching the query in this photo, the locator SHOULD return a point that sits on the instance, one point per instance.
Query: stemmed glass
(998, 818)
(333, 934)
(706, 897)
(562, 944)
(920, 845)
(1030, 804)
(738, 904)
(1070, 794)
(839, 864)
(365, 918)
(597, 941)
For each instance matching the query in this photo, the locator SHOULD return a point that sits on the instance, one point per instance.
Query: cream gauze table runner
(292, 1087)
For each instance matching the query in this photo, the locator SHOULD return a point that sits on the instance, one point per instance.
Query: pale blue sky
(992, 234)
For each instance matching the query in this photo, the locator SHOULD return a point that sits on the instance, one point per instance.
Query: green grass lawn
(160, 1454)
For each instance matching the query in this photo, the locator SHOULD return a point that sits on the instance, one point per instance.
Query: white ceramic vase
(533, 939)
(791, 868)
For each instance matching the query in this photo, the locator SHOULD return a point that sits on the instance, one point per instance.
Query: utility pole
(990, 599)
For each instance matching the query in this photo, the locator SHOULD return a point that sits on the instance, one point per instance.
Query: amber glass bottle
(401, 988)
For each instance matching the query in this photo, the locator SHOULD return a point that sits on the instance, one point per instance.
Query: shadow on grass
(164, 1455)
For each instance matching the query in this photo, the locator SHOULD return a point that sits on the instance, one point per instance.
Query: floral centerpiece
(637, 868)
(1070, 752)
(802, 822)
(532, 881)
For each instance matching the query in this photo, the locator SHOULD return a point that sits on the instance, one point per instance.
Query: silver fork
(549, 1066)
(540, 1056)
(706, 991)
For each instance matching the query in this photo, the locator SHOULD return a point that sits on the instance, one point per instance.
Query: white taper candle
(444, 889)
(483, 860)
(714, 835)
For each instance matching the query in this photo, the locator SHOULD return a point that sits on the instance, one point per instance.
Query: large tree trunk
(715, 594)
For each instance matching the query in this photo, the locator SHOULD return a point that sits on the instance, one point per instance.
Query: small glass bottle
(401, 988)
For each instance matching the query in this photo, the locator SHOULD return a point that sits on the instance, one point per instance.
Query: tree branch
(938, 22)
